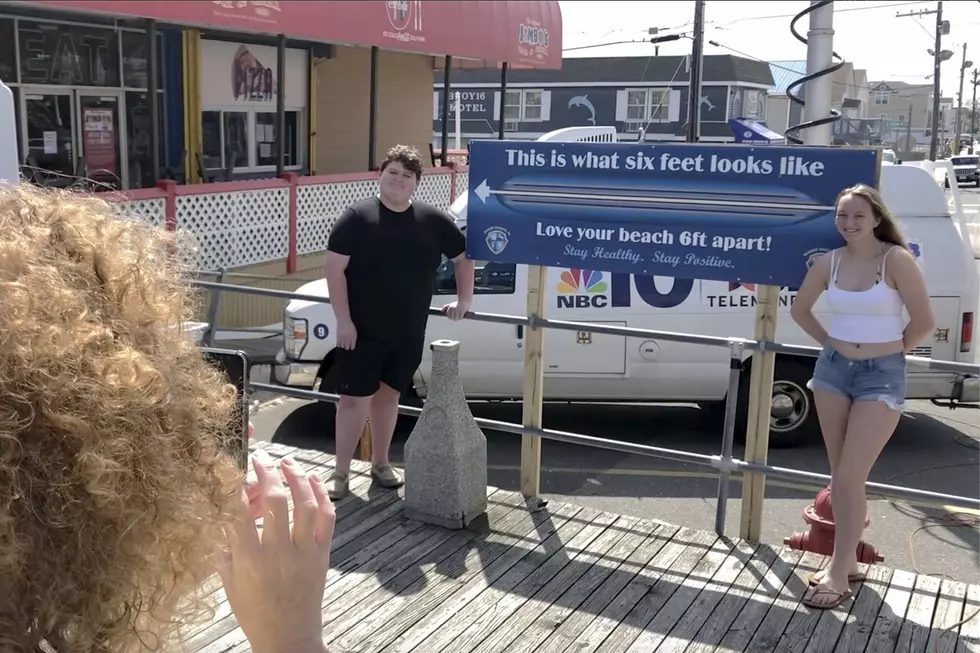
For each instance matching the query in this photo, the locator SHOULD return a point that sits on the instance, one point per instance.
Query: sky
(867, 33)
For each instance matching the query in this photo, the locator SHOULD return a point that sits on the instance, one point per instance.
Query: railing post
(452, 181)
(169, 186)
(736, 349)
(365, 448)
(213, 310)
(293, 224)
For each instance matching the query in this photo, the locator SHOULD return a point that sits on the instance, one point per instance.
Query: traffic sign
(720, 212)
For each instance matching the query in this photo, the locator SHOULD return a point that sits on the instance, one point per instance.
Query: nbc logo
(582, 289)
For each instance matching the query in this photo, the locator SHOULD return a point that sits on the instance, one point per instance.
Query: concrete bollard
(446, 454)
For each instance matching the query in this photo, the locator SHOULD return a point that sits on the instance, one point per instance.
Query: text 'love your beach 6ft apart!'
(727, 213)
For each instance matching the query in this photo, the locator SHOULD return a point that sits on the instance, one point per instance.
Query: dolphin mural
(583, 101)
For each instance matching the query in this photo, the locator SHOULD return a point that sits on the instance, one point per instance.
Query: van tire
(798, 420)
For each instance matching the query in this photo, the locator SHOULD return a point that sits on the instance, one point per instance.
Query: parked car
(967, 169)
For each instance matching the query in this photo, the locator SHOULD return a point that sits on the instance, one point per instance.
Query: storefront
(239, 88)
(80, 93)
(79, 70)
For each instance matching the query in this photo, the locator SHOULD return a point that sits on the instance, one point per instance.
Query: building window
(755, 106)
(136, 59)
(645, 106)
(881, 97)
(265, 138)
(8, 51)
(249, 137)
(69, 55)
(522, 105)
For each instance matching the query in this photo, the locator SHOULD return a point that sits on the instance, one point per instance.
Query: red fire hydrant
(820, 538)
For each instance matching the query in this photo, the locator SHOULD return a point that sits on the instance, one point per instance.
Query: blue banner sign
(720, 212)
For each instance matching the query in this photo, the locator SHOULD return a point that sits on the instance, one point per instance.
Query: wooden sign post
(759, 411)
(537, 278)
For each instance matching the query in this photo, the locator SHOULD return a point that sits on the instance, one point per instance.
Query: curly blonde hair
(113, 482)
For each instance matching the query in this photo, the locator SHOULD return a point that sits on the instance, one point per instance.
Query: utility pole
(694, 86)
(819, 91)
(937, 91)
(908, 131)
(937, 60)
(973, 115)
(959, 108)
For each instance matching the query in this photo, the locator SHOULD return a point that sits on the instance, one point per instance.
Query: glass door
(49, 133)
(100, 134)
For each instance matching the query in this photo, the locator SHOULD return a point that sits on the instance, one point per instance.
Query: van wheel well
(792, 415)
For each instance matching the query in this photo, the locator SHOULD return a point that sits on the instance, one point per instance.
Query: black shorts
(362, 370)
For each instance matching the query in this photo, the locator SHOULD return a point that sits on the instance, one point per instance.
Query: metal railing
(724, 463)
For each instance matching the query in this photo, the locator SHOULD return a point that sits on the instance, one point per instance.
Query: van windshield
(966, 160)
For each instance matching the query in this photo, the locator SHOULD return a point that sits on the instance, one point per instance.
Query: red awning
(524, 32)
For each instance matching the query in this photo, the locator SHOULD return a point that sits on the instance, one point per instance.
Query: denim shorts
(869, 379)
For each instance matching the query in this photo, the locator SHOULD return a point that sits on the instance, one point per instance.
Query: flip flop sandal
(808, 600)
(858, 577)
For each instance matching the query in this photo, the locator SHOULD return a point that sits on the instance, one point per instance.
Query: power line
(862, 7)
(793, 70)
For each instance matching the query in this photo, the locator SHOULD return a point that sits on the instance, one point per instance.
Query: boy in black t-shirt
(382, 257)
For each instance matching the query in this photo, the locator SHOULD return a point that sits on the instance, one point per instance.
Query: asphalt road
(933, 449)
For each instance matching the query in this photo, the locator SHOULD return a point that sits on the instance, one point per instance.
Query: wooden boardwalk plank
(569, 635)
(848, 632)
(784, 607)
(730, 605)
(566, 579)
(969, 637)
(945, 621)
(579, 563)
(504, 546)
(695, 616)
(757, 607)
(607, 565)
(891, 615)
(694, 545)
(664, 551)
(918, 619)
(810, 624)
(495, 605)
(430, 631)
(455, 559)
(681, 600)
(440, 630)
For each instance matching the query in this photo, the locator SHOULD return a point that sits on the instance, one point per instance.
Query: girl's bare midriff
(866, 349)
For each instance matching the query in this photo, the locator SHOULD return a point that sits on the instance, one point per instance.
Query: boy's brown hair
(406, 155)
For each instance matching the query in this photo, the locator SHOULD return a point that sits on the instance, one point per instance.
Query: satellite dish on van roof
(9, 170)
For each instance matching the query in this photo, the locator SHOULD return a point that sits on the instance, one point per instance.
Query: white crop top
(865, 316)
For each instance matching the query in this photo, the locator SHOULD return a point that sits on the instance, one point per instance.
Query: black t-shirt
(393, 261)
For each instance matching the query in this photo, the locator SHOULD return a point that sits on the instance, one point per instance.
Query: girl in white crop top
(858, 381)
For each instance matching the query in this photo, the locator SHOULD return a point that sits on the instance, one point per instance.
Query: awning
(750, 131)
(524, 32)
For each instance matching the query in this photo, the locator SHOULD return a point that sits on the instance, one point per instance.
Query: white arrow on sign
(483, 191)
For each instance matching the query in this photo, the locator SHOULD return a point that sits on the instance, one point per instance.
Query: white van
(583, 367)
